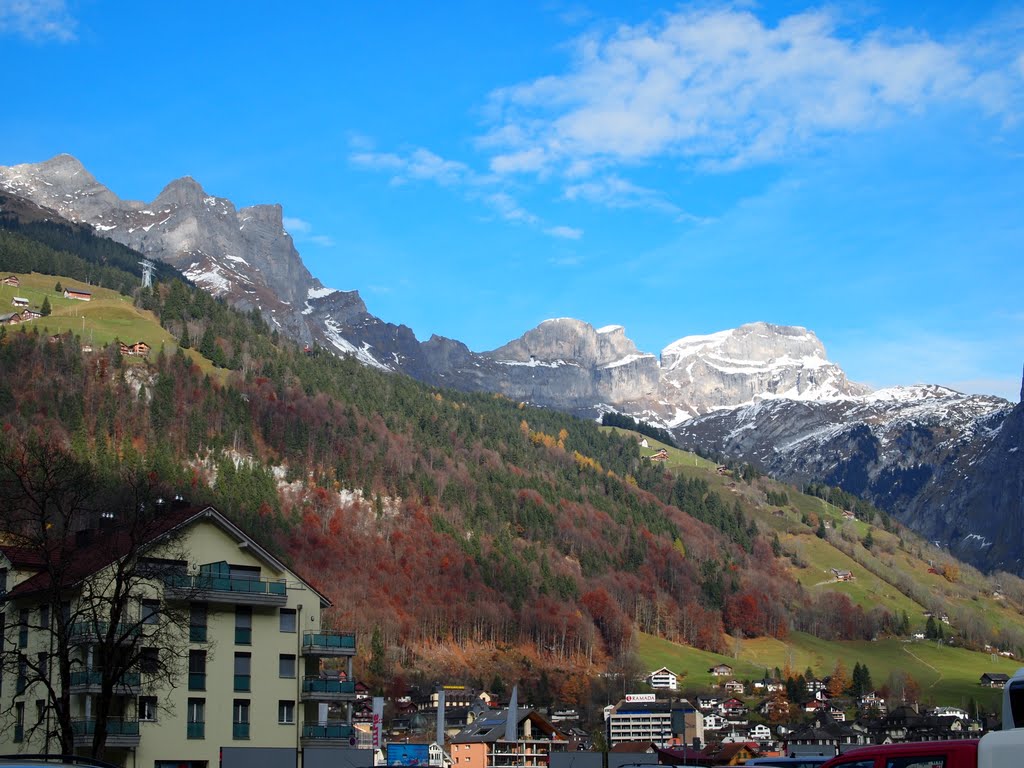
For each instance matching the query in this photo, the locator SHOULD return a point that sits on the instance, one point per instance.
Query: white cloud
(727, 90)
(420, 164)
(564, 232)
(297, 226)
(615, 192)
(302, 231)
(37, 20)
(509, 209)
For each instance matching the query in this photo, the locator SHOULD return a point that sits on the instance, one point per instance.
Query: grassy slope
(946, 675)
(108, 317)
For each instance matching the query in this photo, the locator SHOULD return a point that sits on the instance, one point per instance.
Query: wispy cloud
(37, 20)
(566, 233)
(613, 191)
(302, 231)
(420, 164)
(297, 226)
(725, 90)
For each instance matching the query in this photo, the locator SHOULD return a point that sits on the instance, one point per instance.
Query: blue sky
(475, 168)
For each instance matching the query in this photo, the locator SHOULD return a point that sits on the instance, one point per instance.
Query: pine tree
(45, 309)
(185, 342)
(58, 288)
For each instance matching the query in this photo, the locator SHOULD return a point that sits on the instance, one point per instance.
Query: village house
(734, 687)
(19, 301)
(721, 670)
(995, 679)
(11, 318)
(12, 280)
(842, 575)
(30, 314)
(663, 679)
(78, 295)
(138, 349)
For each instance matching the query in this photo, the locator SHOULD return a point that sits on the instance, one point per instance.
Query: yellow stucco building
(229, 666)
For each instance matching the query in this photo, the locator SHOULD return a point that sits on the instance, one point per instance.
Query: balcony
(197, 633)
(328, 643)
(243, 683)
(325, 689)
(196, 731)
(226, 590)
(120, 732)
(239, 731)
(83, 632)
(328, 735)
(91, 681)
(197, 681)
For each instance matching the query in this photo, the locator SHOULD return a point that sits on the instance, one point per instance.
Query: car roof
(914, 747)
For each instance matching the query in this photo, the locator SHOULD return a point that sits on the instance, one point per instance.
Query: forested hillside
(428, 516)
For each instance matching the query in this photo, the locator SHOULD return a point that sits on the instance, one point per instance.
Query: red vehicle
(921, 754)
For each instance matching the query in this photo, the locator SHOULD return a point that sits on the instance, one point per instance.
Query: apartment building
(229, 665)
(642, 717)
(484, 743)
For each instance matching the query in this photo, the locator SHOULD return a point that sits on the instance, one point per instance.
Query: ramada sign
(638, 697)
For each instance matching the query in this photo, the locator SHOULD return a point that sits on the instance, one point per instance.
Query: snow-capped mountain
(911, 450)
(945, 462)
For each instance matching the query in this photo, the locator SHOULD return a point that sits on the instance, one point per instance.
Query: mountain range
(946, 463)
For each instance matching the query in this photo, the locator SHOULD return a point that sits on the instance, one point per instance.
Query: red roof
(74, 558)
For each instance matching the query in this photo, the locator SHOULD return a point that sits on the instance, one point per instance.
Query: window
(243, 671)
(40, 710)
(197, 670)
(243, 625)
(288, 623)
(286, 665)
(19, 721)
(933, 761)
(21, 682)
(196, 728)
(149, 660)
(240, 719)
(147, 708)
(286, 712)
(197, 622)
(44, 617)
(150, 611)
(23, 628)
(42, 664)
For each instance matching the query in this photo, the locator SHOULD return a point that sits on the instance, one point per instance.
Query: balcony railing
(243, 636)
(329, 643)
(226, 589)
(330, 731)
(120, 732)
(197, 681)
(239, 730)
(325, 685)
(196, 731)
(197, 634)
(243, 682)
(93, 678)
(84, 631)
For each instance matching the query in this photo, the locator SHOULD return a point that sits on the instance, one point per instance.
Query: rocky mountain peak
(568, 339)
(182, 193)
(753, 342)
